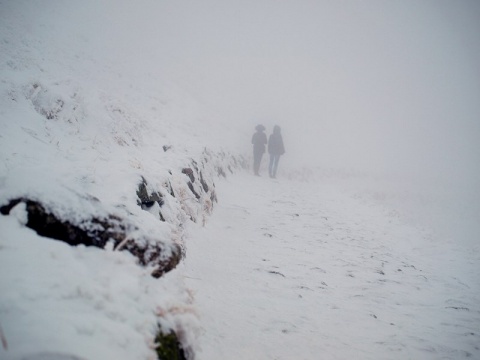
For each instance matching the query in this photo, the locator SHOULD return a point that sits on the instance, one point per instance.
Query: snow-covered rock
(84, 154)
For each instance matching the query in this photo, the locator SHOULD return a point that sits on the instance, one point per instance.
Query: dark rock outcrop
(146, 200)
(99, 232)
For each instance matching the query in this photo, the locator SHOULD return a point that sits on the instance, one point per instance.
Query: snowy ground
(291, 270)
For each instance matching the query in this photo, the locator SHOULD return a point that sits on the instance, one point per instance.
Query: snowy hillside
(82, 169)
(131, 226)
(84, 153)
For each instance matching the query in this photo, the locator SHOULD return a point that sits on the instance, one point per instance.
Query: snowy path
(287, 270)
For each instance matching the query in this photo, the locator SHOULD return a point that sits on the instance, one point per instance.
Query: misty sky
(360, 82)
(389, 85)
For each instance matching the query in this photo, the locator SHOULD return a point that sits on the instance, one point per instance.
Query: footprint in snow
(276, 273)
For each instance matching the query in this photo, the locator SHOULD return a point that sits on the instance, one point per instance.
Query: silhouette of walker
(259, 140)
(275, 149)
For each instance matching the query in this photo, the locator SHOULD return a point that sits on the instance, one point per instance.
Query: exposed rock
(153, 254)
(170, 189)
(189, 173)
(146, 200)
(204, 184)
(98, 232)
(190, 186)
(213, 196)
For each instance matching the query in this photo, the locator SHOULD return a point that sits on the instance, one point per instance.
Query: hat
(260, 127)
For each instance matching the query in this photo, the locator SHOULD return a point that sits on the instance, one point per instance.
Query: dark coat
(259, 140)
(275, 144)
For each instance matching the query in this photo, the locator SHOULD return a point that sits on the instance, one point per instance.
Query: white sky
(353, 83)
(388, 82)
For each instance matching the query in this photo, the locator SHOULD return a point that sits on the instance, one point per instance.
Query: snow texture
(287, 270)
(314, 265)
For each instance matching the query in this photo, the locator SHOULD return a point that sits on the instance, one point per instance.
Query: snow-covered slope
(91, 146)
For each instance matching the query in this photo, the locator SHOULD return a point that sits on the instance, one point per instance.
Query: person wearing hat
(275, 149)
(259, 140)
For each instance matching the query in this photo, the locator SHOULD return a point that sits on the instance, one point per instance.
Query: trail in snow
(288, 270)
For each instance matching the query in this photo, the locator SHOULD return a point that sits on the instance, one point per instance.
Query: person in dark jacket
(259, 140)
(275, 149)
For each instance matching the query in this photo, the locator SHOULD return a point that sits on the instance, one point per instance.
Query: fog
(387, 87)
(392, 86)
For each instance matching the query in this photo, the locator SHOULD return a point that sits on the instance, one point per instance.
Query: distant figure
(275, 149)
(259, 140)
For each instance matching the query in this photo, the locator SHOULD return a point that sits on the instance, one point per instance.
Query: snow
(298, 270)
(77, 137)
(320, 263)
